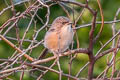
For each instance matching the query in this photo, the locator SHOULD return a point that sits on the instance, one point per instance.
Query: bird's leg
(58, 63)
(69, 51)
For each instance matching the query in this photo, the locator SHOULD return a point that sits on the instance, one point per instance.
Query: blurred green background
(109, 9)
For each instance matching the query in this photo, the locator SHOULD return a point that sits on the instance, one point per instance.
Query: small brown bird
(59, 36)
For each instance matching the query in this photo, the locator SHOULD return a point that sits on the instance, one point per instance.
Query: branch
(19, 51)
(80, 50)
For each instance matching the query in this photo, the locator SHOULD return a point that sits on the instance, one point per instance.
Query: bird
(59, 36)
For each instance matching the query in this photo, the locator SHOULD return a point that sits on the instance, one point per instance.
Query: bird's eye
(64, 22)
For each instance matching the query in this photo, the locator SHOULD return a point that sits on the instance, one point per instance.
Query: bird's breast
(66, 37)
(59, 41)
